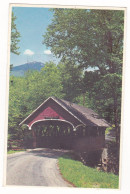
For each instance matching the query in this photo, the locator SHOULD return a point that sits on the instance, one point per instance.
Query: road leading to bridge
(35, 168)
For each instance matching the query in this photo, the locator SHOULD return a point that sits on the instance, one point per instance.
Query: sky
(32, 23)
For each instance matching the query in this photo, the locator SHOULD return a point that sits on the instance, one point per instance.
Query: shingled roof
(85, 115)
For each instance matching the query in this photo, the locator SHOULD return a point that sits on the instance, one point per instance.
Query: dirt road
(35, 168)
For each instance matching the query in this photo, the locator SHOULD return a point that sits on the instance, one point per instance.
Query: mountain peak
(21, 69)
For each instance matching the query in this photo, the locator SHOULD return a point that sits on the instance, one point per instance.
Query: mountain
(22, 69)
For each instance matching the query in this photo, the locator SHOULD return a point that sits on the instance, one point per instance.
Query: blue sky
(32, 23)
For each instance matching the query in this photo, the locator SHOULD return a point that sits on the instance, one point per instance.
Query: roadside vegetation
(83, 176)
(15, 151)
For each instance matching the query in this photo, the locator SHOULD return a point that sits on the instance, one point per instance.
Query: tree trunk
(116, 122)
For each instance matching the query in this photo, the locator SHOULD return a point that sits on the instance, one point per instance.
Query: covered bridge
(57, 123)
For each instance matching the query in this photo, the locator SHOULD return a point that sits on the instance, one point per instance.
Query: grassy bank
(84, 176)
(14, 151)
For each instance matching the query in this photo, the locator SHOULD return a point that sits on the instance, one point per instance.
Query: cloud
(28, 52)
(47, 52)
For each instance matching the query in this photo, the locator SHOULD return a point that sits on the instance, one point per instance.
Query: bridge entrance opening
(53, 134)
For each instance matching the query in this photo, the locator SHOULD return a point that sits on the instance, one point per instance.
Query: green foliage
(91, 38)
(71, 78)
(108, 130)
(15, 35)
(93, 41)
(84, 100)
(105, 94)
(84, 176)
(15, 151)
(26, 93)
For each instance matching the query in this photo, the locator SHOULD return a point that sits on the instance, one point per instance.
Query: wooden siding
(55, 110)
(46, 114)
(84, 144)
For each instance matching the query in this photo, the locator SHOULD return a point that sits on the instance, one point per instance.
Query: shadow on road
(49, 153)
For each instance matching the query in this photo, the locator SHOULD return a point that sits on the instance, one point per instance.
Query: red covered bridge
(58, 123)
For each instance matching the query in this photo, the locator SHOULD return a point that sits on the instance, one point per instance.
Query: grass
(15, 151)
(84, 176)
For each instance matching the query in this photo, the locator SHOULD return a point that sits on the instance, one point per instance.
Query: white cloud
(28, 52)
(47, 52)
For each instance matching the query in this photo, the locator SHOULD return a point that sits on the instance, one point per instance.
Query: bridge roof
(84, 115)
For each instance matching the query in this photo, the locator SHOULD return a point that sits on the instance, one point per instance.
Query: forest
(89, 44)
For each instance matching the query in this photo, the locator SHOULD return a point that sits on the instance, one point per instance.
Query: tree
(15, 35)
(106, 95)
(91, 38)
(27, 93)
(16, 103)
(43, 84)
(71, 78)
